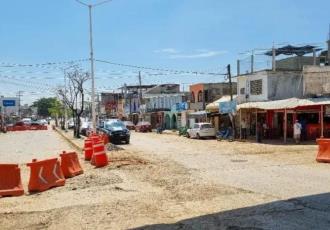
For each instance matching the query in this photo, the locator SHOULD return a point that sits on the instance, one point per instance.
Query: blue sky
(186, 35)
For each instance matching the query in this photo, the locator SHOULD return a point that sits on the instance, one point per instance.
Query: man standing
(243, 127)
(296, 131)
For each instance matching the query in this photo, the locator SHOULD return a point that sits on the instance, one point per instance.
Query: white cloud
(167, 51)
(199, 54)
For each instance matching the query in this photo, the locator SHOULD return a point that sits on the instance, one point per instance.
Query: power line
(159, 69)
(10, 65)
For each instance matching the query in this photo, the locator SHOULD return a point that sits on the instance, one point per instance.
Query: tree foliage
(43, 105)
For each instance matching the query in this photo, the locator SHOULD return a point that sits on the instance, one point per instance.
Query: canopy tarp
(290, 50)
(290, 103)
(214, 106)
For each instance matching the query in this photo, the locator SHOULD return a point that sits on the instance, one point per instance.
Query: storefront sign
(8, 103)
(227, 107)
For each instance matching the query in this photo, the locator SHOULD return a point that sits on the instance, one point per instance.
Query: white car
(43, 122)
(201, 130)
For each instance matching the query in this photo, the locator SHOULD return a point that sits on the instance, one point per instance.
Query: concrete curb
(76, 146)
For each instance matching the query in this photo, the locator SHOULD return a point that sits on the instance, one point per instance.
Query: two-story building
(277, 98)
(204, 93)
(159, 102)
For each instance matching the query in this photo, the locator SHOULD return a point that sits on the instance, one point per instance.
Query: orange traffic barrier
(88, 150)
(10, 180)
(70, 164)
(99, 158)
(45, 175)
(323, 154)
(105, 138)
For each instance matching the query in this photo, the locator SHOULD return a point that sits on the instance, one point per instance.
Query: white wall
(244, 82)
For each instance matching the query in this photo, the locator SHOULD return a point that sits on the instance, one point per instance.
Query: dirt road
(169, 182)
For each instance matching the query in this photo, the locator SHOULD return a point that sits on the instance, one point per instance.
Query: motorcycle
(225, 134)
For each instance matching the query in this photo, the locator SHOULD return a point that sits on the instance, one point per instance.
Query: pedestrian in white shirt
(243, 128)
(296, 131)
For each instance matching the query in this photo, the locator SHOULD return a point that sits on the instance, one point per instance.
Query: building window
(192, 97)
(256, 87)
(242, 91)
(200, 96)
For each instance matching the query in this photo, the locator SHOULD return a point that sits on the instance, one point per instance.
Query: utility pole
(328, 57)
(140, 94)
(230, 83)
(252, 61)
(273, 58)
(19, 95)
(140, 85)
(231, 98)
(90, 7)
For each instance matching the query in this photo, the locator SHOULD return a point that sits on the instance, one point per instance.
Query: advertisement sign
(178, 107)
(8, 103)
(227, 107)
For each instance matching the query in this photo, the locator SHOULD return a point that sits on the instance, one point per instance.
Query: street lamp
(90, 6)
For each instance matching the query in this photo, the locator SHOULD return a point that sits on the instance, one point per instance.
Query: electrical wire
(158, 69)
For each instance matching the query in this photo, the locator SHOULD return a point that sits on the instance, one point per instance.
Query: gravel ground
(170, 182)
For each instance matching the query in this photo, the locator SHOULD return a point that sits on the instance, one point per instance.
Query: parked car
(70, 123)
(43, 121)
(35, 123)
(143, 126)
(201, 130)
(26, 121)
(129, 125)
(86, 127)
(116, 131)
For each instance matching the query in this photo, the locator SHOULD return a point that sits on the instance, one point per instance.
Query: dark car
(130, 125)
(143, 126)
(117, 132)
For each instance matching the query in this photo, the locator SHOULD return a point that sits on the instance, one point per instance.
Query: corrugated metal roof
(290, 103)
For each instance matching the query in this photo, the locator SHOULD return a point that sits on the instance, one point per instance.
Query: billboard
(227, 107)
(8, 103)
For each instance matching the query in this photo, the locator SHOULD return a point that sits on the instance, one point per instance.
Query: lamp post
(90, 7)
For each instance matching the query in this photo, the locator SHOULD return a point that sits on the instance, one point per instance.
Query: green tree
(43, 104)
(56, 110)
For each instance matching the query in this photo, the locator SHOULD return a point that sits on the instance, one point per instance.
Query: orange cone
(70, 164)
(10, 180)
(45, 175)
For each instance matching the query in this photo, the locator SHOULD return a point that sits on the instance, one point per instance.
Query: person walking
(297, 131)
(243, 127)
(259, 132)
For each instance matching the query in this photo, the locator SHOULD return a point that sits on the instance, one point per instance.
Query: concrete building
(205, 93)
(267, 85)
(316, 81)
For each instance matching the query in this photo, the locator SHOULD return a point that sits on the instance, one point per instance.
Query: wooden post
(322, 125)
(256, 124)
(285, 126)
(240, 126)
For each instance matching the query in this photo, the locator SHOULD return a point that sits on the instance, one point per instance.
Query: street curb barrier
(99, 158)
(45, 174)
(10, 180)
(88, 150)
(76, 146)
(323, 154)
(70, 164)
(105, 138)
